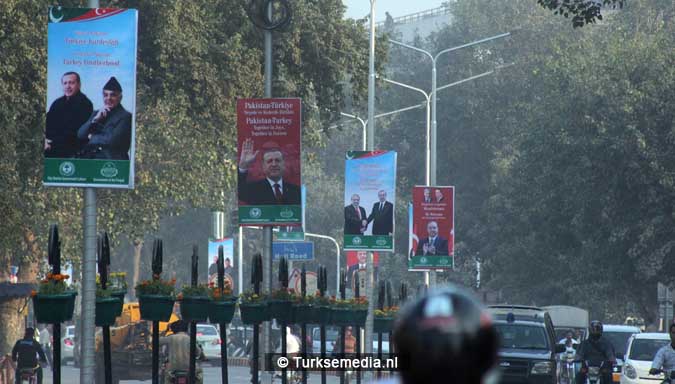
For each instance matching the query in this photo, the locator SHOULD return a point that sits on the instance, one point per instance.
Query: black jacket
(25, 353)
(352, 220)
(261, 193)
(596, 351)
(111, 138)
(383, 221)
(64, 118)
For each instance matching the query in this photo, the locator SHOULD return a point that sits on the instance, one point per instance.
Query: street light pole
(428, 145)
(337, 256)
(431, 171)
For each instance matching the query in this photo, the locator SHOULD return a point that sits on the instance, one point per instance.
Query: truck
(567, 318)
(130, 346)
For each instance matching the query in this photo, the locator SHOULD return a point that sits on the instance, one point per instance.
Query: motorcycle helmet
(445, 331)
(595, 330)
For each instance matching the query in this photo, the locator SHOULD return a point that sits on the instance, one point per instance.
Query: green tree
(195, 60)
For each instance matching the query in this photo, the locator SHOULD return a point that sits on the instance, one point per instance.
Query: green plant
(52, 284)
(359, 303)
(156, 286)
(199, 290)
(100, 292)
(252, 297)
(218, 294)
(118, 280)
(284, 294)
(386, 312)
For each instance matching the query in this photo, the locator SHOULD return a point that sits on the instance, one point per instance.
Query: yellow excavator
(130, 346)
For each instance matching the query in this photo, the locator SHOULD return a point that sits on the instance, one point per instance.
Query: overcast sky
(359, 8)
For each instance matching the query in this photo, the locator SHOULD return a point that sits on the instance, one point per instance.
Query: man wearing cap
(108, 131)
(65, 116)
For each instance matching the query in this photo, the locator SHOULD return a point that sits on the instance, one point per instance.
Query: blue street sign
(293, 251)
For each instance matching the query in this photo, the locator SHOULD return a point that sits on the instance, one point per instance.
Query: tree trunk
(12, 321)
(138, 247)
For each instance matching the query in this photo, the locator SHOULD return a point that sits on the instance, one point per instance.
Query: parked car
(642, 348)
(209, 338)
(618, 335)
(68, 345)
(528, 348)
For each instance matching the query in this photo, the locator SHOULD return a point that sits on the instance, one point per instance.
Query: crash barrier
(6, 370)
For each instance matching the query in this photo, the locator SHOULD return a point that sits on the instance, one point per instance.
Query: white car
(68, 344)
(209, 338)
(619, 335)
(640, 353)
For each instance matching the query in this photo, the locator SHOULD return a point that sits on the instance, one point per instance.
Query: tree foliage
(195, 60)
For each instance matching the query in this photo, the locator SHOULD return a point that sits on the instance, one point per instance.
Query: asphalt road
(237, 375)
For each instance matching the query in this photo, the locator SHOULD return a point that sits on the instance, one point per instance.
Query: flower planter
(106, 310)
(282, 310)
(301, 313)
(348, 316)
(319, 314)
(222, 311)
(195, 308)
(359, 317)
(52, 309)
(383, 324)
(155, 307)
(254, 313)
(120, 295)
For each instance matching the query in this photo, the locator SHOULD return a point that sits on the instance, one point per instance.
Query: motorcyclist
(569, 340)
(595, 351)
(664, 361)
(178, 345)
(445, 331)
(25, 353)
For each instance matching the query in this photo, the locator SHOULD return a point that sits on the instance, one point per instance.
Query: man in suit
(382, 215)
(427, 195)
(355, 217)
(66, 115)
(433, 244)
(271, 190)
(107, 133)
(354, 268)
(439, 196)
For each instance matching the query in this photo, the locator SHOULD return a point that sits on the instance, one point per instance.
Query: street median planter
(155, 307)
(254, 313)
(319, 314)
(195, 308)
(120, 295)
(301, 313)
(383, 324)
(348, 316)
(222, 311)
(106, 310)
(52, 309)
(282, 310)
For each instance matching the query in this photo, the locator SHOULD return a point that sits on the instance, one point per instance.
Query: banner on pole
(370, 195)
(296, 232)
(356, 268)
(432, 236)
(268, 174)
(228, 260)
(91, 97)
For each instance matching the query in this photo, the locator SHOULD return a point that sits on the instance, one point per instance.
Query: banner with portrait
(90, 131)
(356, 268)
(228, 260)
(432, 238)
(369, 200)
(268, 169)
